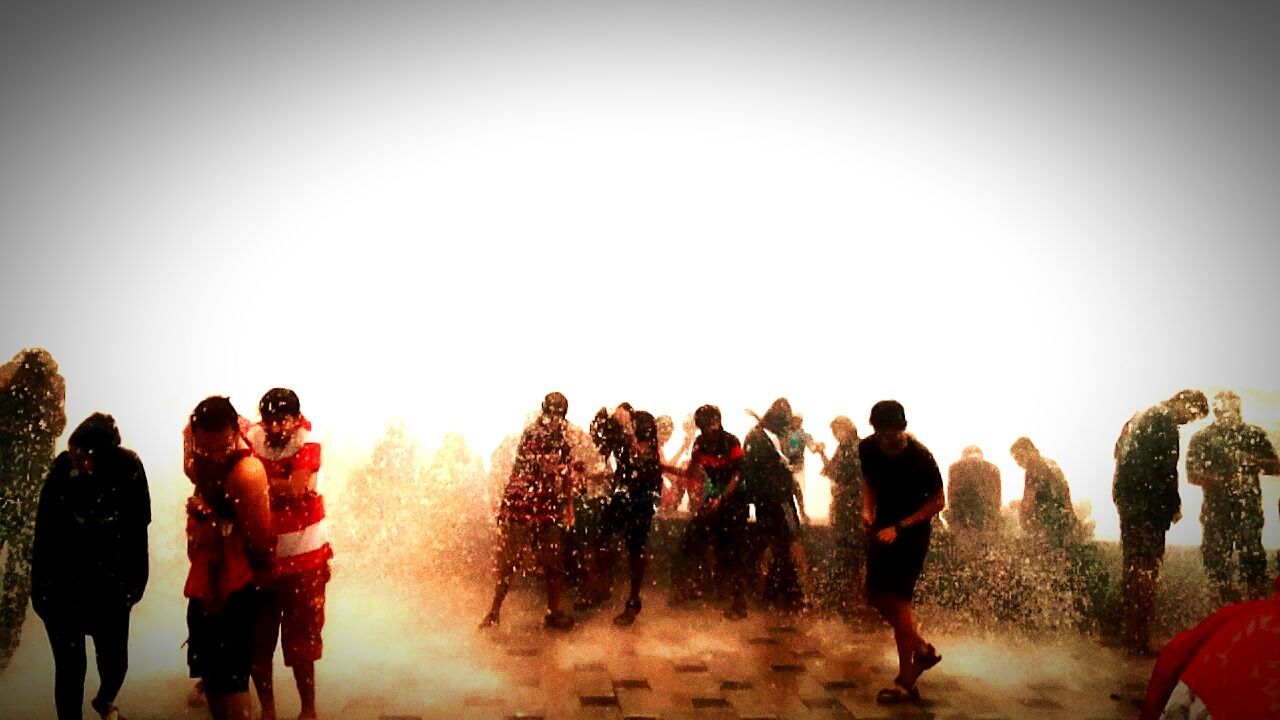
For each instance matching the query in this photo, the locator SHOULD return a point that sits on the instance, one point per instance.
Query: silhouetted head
(971, 452)
(1024, 451)
(281, 415)
(889, 420)
(707, 418)
(888, 415)
(279, 402)
(91, 439)
(843, 429)
(778, 418)
(1189, 406)
(1226, 407)
(96, 433)
(215, 429)
(646, 428)
(666, 428)
(555, 405)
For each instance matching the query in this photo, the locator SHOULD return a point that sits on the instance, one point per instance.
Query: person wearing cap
(1045, 510)
(844, 469)
(720, 519)
(32, 416)
(89, 561)
(903, 493)
(973, 492)
(293, 599)
(1145, 490)
(772, 485)
(1225, 459)
(535, 507)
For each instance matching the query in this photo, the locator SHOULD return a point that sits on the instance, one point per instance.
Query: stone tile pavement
(694, 664)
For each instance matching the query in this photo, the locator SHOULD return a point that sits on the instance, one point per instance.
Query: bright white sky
(1013, 223)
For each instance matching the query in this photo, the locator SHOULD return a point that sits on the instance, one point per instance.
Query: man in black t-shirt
(903, 493)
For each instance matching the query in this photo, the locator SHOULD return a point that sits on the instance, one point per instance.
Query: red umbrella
(1230, 663)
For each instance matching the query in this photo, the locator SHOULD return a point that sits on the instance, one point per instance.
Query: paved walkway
(686, 664)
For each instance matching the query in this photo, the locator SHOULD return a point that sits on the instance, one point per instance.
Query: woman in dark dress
(903, 492)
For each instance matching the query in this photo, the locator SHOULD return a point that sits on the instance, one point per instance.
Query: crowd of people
(260, 559)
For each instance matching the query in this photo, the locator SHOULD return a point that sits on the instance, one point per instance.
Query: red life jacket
(302, 542)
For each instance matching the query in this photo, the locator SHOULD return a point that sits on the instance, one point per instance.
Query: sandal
(897, 695)
(925, 659)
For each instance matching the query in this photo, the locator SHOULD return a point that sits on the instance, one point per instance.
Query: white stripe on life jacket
(312, 537)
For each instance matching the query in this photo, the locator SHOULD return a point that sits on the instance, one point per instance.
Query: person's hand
(868, 519)
(887, 535)
(820, 448)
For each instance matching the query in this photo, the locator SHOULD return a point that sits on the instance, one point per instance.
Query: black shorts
(220, 645)
(895, 568)
(630, 517)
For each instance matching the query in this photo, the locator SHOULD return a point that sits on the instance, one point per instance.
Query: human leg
(111, 654)
(69, 666)
(266, 635)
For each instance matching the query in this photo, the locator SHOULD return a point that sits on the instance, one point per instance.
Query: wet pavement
(686, 664)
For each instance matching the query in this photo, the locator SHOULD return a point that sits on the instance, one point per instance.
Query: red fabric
(708, 460)
(307, 458)
(293, 614)
(291, 513)
(1231, 661)
(216, 547)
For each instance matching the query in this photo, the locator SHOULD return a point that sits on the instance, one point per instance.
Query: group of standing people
(75, 530)
(256, 542)
(1226, 459)
(887, 485)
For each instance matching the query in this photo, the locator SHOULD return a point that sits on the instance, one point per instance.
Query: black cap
(278, 402)
(888, 415)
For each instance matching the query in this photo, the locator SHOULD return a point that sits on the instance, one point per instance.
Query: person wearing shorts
(902, 495)
(293, 604)
(230, 544)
